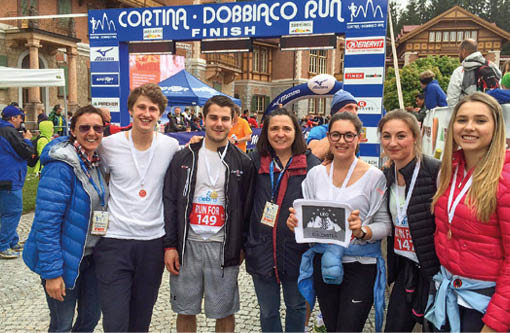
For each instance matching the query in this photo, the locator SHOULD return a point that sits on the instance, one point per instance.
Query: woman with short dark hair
(69, 218)
(272, 254)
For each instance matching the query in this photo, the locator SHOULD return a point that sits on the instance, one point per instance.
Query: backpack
(486, 77)
(34, 144)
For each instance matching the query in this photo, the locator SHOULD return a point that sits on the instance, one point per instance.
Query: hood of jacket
(46, 129)
(473, 61)
(60, 149)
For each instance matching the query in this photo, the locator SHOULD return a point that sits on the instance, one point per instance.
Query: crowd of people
(113, 211)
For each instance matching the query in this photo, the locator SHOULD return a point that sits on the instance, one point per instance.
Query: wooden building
(442, 35)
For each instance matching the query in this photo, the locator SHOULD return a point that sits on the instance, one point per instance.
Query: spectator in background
(434, 95)
(59, 121)
(41, 115)
(506, 68)
(240, 133)
(246, 115)
(110, 128)
(15, 151)
(420, 111)
(177, 123)
(502, 95)
(44, 137)
(463, 80)
(252, 120)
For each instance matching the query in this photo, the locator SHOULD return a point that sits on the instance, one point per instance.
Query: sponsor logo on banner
(105, 79)
(363, 75)
(104, 53)
(365, 15)
(369, 105)
(321, 84)
(300, 27)
(110, 103)
(364, 45)
(152, 33)
(102, 28)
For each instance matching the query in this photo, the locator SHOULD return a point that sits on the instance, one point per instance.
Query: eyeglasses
(86, 128)
(336, 136)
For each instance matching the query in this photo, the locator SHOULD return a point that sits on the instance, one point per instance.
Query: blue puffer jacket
(56, 243)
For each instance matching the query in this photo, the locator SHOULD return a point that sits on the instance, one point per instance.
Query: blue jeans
(268, 296)
(11, 206)
(85, 293)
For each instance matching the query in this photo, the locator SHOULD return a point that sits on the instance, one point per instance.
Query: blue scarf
(333, 273)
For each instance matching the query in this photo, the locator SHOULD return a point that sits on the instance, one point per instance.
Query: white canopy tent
(25, 78)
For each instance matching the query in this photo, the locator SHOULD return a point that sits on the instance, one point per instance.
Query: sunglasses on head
(86, 128)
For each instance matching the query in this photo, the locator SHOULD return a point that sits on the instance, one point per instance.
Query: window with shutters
(317, 106)
(64, 7)
(259, 103)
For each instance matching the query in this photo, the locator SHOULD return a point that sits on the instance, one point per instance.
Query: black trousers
(345, 307)
(470, 321)
(408, 298)
(129, 275)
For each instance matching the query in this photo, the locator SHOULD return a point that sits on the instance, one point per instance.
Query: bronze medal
(142, 193)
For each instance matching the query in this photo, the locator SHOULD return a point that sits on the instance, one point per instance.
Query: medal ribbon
(274, 187)
(222, 157)
(347, 177)
(402, 213)
(101, 192)
(467, 185)
(151, 156)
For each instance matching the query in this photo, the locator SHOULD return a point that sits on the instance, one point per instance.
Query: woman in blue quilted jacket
(70, 217)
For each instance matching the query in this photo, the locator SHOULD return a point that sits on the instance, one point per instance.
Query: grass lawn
(29, 192)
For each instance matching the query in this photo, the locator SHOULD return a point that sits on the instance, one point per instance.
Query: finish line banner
(235, 20)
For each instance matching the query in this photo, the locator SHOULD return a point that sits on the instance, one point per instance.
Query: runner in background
(240, 133)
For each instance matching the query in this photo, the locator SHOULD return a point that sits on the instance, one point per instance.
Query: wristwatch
(363, 233)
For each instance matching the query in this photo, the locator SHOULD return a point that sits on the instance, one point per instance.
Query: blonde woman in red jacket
(472, 210)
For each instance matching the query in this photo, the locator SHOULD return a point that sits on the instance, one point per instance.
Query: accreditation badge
(99, 223)
(270, 214)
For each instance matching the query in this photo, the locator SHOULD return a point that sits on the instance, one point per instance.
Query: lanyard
(467, 185)
(347, 177)
(401, 213)
(274, 187)
(208, 166)
(151, 155)
(101, 192)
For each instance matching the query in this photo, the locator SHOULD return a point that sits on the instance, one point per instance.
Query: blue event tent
(182, 88)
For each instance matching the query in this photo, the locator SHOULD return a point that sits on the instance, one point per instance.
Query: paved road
(23, 305)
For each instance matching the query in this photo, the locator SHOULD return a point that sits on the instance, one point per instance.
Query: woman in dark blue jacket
(434, 95)
(72, 194)
(272, 254)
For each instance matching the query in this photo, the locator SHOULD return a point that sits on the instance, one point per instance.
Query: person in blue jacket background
(72, 193)
(434, 95)
(15, 151)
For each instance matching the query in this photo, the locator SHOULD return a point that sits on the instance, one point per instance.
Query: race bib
(270, 214)
(99, 223)
(403, 241)
(206, 218)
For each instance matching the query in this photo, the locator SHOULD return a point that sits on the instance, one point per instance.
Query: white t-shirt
(208, 212)
(132, 216)
(366, 194)
(403, 243)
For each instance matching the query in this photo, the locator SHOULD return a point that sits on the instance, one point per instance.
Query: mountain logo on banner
(104, 23)
(369, 8)
(321, 84)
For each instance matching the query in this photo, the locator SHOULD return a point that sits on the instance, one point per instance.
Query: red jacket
(479, 250)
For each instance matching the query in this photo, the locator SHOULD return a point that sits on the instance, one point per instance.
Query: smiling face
(398, 141)
(145, 114)
(281, 134)
(473, 128)
(342, 149)
(218, 123)
(89, 139)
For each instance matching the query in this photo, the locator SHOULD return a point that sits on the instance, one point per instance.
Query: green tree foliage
(409, 77)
